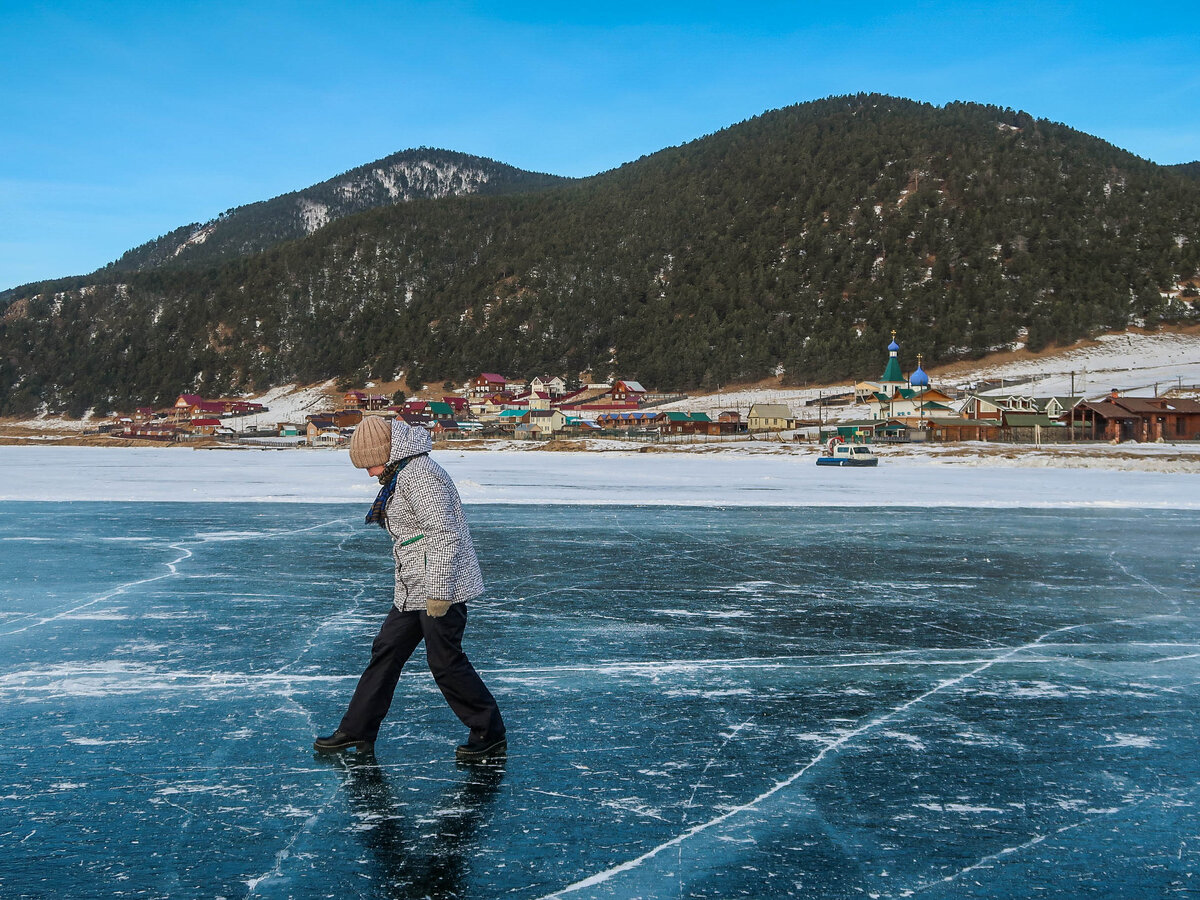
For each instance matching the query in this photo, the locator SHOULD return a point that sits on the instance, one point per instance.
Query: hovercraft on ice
(843, 454)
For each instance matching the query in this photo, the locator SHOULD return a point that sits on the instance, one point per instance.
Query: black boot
(479, 750)
(339, 740)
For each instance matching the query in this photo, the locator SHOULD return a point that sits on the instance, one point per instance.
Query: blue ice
(702, 702)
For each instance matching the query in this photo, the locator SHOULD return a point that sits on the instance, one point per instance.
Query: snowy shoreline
(49, 459)
(1129, 361)
(986, 476)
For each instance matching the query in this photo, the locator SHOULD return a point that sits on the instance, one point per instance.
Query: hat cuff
(365, 459)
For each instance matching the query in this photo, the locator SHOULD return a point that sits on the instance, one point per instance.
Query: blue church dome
(919, 378)
(893, 347)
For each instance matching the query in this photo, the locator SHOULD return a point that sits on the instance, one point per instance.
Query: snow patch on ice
(964, 809)
(1131, 740)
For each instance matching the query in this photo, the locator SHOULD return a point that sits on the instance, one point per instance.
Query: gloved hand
(436, 608)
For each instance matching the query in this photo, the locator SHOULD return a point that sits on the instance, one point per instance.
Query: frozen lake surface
(784, 476)
(702, 702)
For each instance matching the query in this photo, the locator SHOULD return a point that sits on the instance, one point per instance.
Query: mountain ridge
(418, 173)
(793, 241)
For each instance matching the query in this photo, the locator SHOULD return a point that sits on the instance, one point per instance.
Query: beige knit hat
(371, 443)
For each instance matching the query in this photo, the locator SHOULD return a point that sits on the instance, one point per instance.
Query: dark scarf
(387, 478)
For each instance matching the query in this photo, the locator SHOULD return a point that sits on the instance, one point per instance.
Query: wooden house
(491, 407)
(628, 391)
(191, 406)
(509, 419)
(363, 400)
(579, 425)
(678, 422)
(950, 428)
(731, 422)
(552, 387)
(1019, 403)
(151, 431)
(439, 411)
(188, 405)
(414, 407)
(329, 438)
(977, 407)
(548, 421)
(316, 425)
(485, 384)
(626, 419)
(770, 417)
(1103, 420)
(1176, 419)
(865, 390)
(1057, 407)
(243, 407)
(204, 426)
(1146, 419)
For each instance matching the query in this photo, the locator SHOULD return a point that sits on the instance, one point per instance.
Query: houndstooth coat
(435, 557)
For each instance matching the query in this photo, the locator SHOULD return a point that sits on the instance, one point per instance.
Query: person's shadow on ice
(426, 854)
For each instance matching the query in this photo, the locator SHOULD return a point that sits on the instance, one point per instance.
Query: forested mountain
(794, 241)
(1192, 169)
(421, 174)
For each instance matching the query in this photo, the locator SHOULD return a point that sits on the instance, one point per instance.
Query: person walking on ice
(437, 572)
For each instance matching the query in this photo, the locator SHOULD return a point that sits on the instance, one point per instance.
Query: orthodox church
(898, 397)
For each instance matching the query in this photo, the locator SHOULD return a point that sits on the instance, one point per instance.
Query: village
(894, 409)
(490, 405)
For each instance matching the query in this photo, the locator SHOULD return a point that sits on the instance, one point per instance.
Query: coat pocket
(411, 565)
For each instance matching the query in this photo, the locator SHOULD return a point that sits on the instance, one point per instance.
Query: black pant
(460, 684)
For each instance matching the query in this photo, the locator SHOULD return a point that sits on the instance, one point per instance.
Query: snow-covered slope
(423, 174)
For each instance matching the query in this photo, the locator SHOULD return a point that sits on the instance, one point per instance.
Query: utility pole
(919, 399)
(1071, 433)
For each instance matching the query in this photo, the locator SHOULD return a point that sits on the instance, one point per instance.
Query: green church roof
(892, 372)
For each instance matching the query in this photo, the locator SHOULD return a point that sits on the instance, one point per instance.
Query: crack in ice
(829, 749)
(172, 571)
(992, 858)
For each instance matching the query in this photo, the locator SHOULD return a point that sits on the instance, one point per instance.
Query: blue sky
(122, 120)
